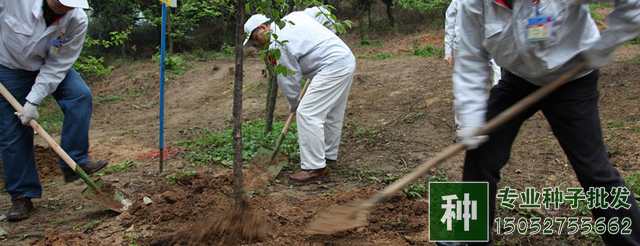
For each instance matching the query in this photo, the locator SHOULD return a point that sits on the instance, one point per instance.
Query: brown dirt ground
(399, 115)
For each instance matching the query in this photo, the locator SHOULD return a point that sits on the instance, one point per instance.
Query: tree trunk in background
(272, 95)
(169, 39)
(389, 4)
(238, 189)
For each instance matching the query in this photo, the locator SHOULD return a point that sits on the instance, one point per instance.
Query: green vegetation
(429, 51)
(382, 56)
(615, 124)
(87, 226)
(108, 99)
(51, 116)
(180, 176)
(416, 190)
(205, 55)
(425, 6)
(175, 64)
(366, 42)
(633, 182)
(594, 7)
(118, 168)
(216, 147)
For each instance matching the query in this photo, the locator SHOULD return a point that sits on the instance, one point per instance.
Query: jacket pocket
(17, 37)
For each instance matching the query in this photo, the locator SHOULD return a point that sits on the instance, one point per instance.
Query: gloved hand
(29, 112)
(449, 60)
(469, 140)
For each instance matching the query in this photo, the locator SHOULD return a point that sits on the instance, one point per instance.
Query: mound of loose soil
(221, 228)
(47, 162)
(197, 211)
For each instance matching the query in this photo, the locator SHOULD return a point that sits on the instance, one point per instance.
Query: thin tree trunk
(169, 39)
(389, 4)
(272, 95)
(238, 188)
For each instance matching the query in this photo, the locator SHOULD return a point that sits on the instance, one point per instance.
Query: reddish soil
(47, 162)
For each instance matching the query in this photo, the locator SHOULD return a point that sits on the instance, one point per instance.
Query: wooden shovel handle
(287, 124)
(52, 143)
(450, 151)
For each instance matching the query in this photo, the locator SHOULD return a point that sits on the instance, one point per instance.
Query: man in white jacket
(535, 42)
(40, 40)
(310, 50)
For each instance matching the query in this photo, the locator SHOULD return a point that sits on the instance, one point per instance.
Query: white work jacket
(26, 43)
(321, 15)
(308, 48)
(489, 29)
(450, 29)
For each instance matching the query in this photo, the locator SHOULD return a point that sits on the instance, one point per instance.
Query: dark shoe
(305, 176)
(21, 209)
(91, 168)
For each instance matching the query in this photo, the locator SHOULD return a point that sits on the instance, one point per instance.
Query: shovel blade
(339, 218)
(108, 197)
(260, 173)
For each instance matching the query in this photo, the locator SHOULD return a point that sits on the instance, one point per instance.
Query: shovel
(354, 215)
(102, 194)
(264, 155)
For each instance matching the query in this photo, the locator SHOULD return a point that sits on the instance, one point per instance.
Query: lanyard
(536, 3)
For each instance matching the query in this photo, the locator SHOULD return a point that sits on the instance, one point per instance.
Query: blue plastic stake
(163, 45)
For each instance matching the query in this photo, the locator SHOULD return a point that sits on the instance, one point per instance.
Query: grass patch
(180, 177)
(117, 168)
(635, 41)
(51, 116)
(593, 7)
(582, 210)
(417, 190)
(366, 42)
(439, 176)
(216, 147)
(429, 51)
(615, 124)
(176, 64)
(362, 134)
(364, 175)
(382, 56)
(108, 99)
(633, 182)
(636, 59)
(365, 133)
(87, 226)
(227, 51)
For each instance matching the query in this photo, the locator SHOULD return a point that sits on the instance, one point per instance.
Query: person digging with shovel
(536, 42)
(309, 49)
(40, 40)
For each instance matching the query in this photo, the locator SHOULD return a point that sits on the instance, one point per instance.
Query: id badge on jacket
(539, 26)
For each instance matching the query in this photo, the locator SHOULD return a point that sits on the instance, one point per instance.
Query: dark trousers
(572, 112)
